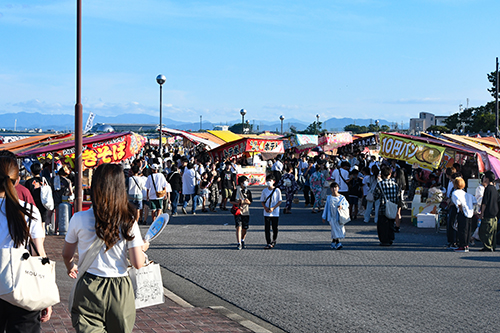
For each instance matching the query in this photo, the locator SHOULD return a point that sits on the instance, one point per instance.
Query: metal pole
(496, 101)
(161, 125)
(201, 121)
(243, 124)
(281, 126)
(78, 110)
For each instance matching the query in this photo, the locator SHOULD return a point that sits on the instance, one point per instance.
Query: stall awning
(247, 145)
(429, 153)
(301, 141)
(19, 145)
(331, 141)
(191, 137)
(227, 136)
(98, 149)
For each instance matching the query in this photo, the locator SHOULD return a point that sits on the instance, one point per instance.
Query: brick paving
(166, 318)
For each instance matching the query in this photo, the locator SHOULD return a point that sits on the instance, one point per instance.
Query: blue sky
(338, 58)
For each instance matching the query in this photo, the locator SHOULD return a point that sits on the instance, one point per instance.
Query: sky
(373, 59)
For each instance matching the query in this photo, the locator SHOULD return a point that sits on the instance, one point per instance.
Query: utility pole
(496, 101)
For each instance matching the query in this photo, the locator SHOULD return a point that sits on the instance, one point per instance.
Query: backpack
(134, 190)
(355, 187)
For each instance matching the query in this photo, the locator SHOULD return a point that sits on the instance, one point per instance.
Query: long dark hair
(112, 211)
(15, 213)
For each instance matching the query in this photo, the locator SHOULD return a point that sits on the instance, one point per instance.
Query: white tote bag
(27, 281)
(344, 216)
(391, 209)
(148, 285)
(46, 195)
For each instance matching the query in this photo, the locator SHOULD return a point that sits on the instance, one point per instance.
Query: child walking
(334, 202)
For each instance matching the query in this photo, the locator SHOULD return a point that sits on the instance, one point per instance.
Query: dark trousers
(451, 234)
(14, 319)
(463, 231)
(308, 195)
(268, 221)
(174, 197)
(385, 229)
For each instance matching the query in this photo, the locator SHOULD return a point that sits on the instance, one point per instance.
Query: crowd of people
(340, 188)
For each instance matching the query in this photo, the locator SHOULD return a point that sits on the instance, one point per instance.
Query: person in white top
(465, 210)
(156, 184)
(271, 201)
(104, 296)
(189, 182)
(14, 233)
(341, 176)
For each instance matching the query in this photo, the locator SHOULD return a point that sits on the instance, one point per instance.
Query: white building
(424, 121)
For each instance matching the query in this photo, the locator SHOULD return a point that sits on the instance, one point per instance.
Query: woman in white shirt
(14, 232)
(465, 210)
(104, 297)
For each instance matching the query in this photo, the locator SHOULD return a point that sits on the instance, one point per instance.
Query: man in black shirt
(489, 211)
(228, 184)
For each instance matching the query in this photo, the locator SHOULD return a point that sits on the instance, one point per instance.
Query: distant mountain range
(61, 122)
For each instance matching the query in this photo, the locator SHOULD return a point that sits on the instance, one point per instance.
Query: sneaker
(462, 249)
(239, 247)
(243, 244)
(396, 229)
(184, 210)
(452, 246)
(268, 247)
(333, 246)
(194, 213)
(484, 249)
(339, 246)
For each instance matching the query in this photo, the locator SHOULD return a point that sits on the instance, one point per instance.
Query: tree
(385, 128)
(492, 77)
(435, 128)
(238, 128)
(313, 128)
(356, 129)
(477, 119)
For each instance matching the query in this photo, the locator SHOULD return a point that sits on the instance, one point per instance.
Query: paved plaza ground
(304, 286)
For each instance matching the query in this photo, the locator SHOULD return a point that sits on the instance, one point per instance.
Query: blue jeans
(197, 201)
(369, 206)
(187, 197)
(174, 197)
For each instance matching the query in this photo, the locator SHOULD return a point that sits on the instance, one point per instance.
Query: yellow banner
(426, 155)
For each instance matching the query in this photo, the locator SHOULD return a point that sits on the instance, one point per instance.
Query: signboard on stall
(335, 140)
(426, 155)
(109, 151)
(248, 145)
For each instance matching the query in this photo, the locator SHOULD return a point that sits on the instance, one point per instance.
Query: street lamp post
(161, 80)
(282, 118)
(243, 112)
(317, 124)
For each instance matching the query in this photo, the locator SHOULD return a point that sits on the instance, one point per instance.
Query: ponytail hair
(15, 213)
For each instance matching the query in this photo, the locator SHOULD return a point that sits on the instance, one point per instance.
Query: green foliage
(474, 120)
(492, 77)
(313, 128)
(238, 128)
(440, 129)
(355, 129)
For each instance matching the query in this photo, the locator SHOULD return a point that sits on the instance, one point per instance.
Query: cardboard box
(427, 220)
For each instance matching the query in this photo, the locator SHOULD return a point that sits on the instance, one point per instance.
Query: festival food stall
(190, 139)
(301, 143)
(249, 147)
(360, 143)
(428, 153)
(332, 141)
